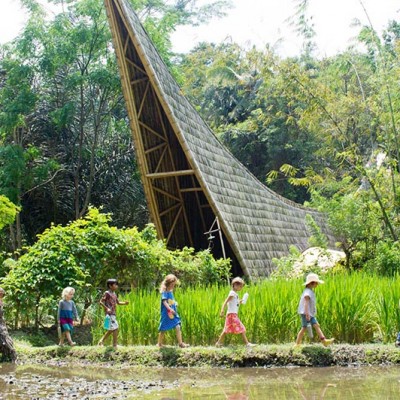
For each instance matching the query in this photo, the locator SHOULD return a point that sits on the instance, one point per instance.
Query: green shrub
(85, 253)
(386, 260)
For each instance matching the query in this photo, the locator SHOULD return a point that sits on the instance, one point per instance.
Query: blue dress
(167, 323)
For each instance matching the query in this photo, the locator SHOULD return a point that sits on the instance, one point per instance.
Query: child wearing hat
(307, 310)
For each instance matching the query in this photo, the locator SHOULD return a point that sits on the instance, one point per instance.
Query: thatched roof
(189, 177)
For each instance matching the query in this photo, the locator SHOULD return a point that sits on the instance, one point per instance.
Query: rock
(316, 256)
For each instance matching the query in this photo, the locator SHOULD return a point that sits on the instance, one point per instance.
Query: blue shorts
(304, 321)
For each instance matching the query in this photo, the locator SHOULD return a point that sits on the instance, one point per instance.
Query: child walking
(307, 310)
(66, 315)
(169, 318)
(232, 321)
(109, 302)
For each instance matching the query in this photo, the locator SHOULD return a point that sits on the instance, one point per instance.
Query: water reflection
(334, 383)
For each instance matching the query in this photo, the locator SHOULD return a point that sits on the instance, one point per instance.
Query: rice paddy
(352, 308)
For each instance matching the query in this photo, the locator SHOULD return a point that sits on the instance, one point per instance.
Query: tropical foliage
(88, 251)
(65, 141)
(320, 131)
(352, 308)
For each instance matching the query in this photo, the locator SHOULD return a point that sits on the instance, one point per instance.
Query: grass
(353, 308)
(231, 356)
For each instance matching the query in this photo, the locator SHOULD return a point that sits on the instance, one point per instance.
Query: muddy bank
(258, 356)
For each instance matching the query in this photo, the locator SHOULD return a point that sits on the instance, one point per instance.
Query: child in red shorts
(232, 321)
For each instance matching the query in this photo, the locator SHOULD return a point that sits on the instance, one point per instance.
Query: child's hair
(66, 291)
(166, 283)
(237, 280)
(111, 282)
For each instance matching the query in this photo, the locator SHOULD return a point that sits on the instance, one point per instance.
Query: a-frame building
(189, 177)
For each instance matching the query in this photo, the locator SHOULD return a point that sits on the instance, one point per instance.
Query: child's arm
(307, 307)
(167, 306)
(227, 300)
(101, 302)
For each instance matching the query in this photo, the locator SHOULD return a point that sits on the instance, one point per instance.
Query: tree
(65, 140)
(84, 253)
(8, 212)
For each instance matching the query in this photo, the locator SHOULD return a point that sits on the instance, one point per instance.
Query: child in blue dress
(169, 314)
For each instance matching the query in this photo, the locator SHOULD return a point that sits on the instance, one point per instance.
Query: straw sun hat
(312, 278)
(237, 280)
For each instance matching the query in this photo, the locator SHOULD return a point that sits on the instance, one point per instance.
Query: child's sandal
(183, 345)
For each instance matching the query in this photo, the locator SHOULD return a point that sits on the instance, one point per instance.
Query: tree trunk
(19, 231)
(37, 311)
(88, 303)
(6, 343)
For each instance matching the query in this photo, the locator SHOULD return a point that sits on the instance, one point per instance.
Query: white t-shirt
(312, 309)
(233, 305)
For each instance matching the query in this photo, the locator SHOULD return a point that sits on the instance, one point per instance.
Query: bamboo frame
(189, 178)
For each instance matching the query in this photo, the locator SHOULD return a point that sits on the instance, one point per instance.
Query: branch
(44, 183)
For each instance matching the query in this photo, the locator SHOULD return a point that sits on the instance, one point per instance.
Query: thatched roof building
(189, 177)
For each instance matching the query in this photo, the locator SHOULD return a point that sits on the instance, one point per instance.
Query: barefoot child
(232, 321)
(307, 310)
(66, 315)
(109, 302)
(169, 315)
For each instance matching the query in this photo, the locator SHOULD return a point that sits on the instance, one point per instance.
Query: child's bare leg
(161, 336)
(220, 339)
(179, 334)
(105, 336)
(62, 337)
(324, 340)
(69, 339)
(246, 341)
(300, 335)
(115, 337)
(319, 331)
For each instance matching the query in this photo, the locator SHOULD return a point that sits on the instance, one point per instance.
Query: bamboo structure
(189, 177)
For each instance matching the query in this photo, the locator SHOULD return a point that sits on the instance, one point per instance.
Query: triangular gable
(189, 177)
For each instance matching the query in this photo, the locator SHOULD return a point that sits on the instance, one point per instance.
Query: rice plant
(353, 308)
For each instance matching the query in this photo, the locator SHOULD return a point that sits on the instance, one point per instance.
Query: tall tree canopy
(65, 141)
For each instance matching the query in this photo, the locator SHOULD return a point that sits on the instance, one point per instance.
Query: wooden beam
(168, 210)
(126, 44)
(151, 149)
(165, 193)
(174, 224)
(125, 72)
(135, 81)
(193, 189)
(203, 221)
(159, 113)
(143, 99)
(170, 174)
(161, 158)
(135, 65)
(142, 124)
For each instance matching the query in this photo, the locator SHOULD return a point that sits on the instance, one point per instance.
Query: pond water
(63, 382)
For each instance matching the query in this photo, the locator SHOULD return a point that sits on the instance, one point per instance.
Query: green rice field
(352, 308)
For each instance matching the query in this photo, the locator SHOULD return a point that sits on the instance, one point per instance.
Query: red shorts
(233, 324)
